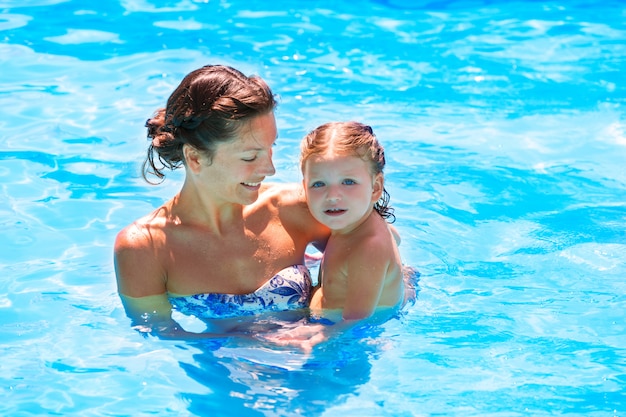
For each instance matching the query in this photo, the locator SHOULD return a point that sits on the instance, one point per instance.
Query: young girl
(342, 164)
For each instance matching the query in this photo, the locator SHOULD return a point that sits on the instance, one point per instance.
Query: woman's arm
(138, 270)
(141, 284)
(297, 218)
(152, 315)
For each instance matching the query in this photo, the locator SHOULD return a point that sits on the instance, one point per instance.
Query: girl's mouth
(334, 212)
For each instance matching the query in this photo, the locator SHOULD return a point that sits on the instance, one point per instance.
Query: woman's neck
(190, 207)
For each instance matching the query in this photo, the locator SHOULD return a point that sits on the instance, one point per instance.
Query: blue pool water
(505, 130)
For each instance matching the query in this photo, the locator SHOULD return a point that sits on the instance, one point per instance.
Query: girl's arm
(366, 267)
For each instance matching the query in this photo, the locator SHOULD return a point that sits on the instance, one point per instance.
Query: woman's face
(238, 167)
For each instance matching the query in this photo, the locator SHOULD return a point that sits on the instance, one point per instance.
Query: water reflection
(263, 379)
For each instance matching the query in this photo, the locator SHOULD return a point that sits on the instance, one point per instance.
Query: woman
(227, 244)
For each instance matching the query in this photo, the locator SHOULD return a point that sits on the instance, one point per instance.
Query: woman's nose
(268, 168)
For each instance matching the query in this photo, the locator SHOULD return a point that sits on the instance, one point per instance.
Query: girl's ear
(192, 158)
(378, 186)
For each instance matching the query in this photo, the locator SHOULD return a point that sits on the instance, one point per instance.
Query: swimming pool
(504, 126)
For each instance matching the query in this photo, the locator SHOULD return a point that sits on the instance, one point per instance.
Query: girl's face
(340, 190)
(238, 167)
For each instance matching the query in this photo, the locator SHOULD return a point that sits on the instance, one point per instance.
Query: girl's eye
(252, 159)
(349, 182)
(317, 184)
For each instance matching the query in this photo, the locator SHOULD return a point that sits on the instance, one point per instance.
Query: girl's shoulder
(374, 231)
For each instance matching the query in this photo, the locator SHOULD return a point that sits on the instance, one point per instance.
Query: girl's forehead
(321, 163)
(333, 157)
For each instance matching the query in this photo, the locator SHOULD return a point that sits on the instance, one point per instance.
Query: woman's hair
(207, 108)
(350, 138)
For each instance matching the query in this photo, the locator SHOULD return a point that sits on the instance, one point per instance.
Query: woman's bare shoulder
(136, 256)
(290, 201)
(140, 233)
(285, 193)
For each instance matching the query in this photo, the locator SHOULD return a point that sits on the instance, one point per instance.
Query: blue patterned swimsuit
(287, 290)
